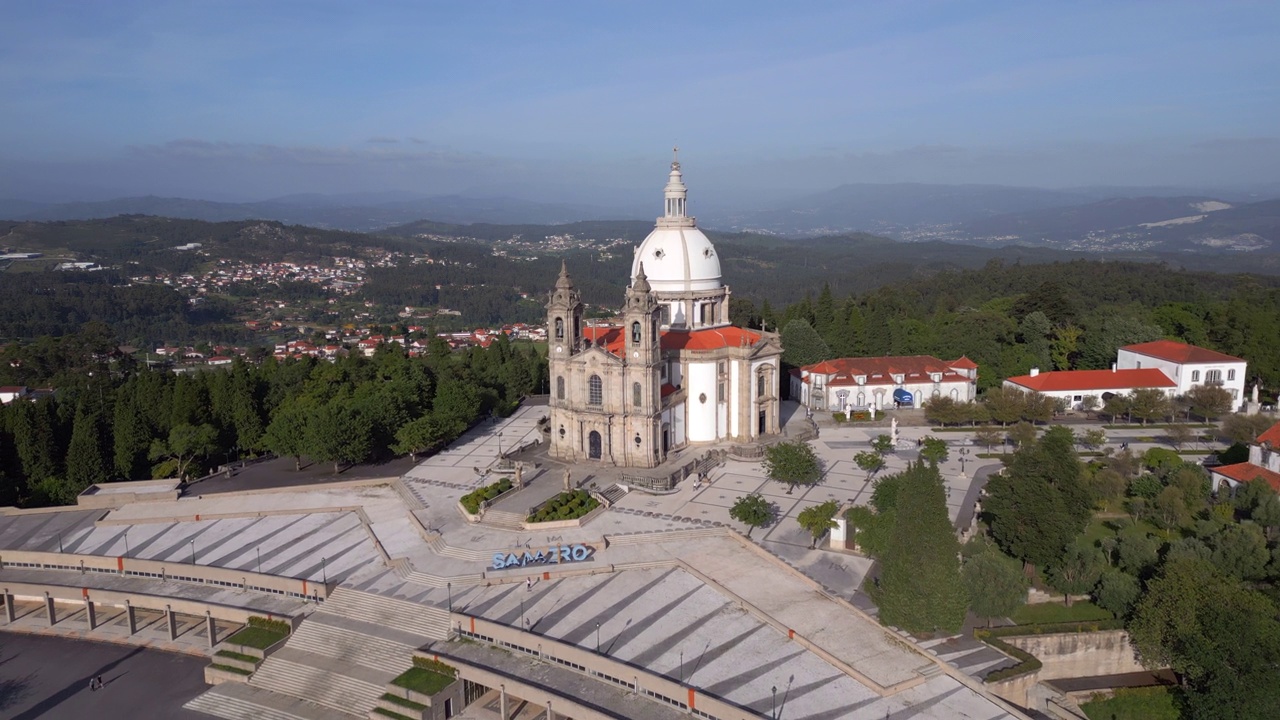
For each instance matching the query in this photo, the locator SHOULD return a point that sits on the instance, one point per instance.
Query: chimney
(1035, 372)
(1113, 367)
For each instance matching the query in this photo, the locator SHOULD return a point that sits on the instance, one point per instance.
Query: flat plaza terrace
(669, 600)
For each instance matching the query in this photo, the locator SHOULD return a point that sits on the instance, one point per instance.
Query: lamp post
(449, 587)
(59, 542)
(774, 712)
(499, 444)
(682, 666)
(259, 560)
(126, 542)
(522, 620)
(597, 638)
(324, 573)
(193, 552)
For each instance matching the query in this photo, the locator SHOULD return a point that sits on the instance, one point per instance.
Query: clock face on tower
(635, 353)
(558, 348)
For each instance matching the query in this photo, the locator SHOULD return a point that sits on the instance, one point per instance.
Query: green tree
(1179, 435)
(286, 435)
(1149, 404)
(1240, 550)
(933, 450)
(86, 461)
(1137, 552)
(752, 510)
(1209, 401)
(420, 435)
(818, 520)
(1243, 429)
(337, 434)
(921, 589)
(1005, 405)
(802, 345)
(1077, 571)
(184, 446)
(1107, 487)
(1094, 438)
(882, 444)
(1023, 433)
(792, 463)
(131, 438)
(995, 583)
(987, 438)
(1117, 592)
(869, 462)
(1170, 508)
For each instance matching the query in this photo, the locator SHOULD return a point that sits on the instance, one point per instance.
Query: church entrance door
(593, 445)
(764, 423)
(666, 440)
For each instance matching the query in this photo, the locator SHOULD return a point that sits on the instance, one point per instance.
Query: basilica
(674, 372)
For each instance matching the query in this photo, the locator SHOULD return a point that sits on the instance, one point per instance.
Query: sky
(582, 101)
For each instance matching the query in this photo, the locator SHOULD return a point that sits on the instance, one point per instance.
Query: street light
(449, 586)
(259, 560)
(774, 712)
(523, 623)
(324, 570)
(59, 542)
(682, 666)
(499, 444)
(597, 638)
(193, 552)
(126, 542)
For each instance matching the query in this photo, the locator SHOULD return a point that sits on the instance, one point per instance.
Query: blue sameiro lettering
(512, 561)
(566, 554)
(499, 561)
(580, 552)
(540, 558)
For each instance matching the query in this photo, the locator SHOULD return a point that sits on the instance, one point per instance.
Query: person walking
(93, 684)
(100, 683)
(528, 583)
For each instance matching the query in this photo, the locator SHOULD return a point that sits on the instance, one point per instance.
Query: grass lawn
(237, 656)
(256, 638)
(1080, 611)
(1154, 703)
(423, 681)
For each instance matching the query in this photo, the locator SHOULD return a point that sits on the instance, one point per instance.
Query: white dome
(678, 258)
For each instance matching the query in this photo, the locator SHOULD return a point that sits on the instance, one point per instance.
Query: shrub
(434, 666)
(565, 506)
(471, 501)
(839, 417)
(276, 626)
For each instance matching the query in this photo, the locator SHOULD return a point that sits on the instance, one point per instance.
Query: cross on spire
(675, 157)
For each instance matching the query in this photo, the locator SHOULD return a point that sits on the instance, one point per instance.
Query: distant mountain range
(1098, 219)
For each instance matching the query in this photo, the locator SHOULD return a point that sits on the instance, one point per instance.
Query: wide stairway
(502, 519)
(336, 664)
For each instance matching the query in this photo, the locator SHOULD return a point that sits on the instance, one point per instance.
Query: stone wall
(1068, 655)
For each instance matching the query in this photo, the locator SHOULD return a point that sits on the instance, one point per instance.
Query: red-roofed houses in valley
(1264, 462)
(1187, 366)
(675, 373)
(880, 382)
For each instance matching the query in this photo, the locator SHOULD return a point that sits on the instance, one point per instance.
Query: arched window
(635, 333)
(760, 385)
(595, 391)
(1213, 377)
(559, 329)
(560, 388)
(637, 395)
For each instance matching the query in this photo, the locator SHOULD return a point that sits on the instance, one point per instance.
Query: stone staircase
(237, 701)
(430, 622)
(613, 494)
(336, 665)
(335, 684)
(667, 536)
(440, 547)
(503, 520)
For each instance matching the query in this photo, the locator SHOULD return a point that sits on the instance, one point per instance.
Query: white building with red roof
(1187, 366)
(1264, 462)
(675, 372)
(879, 382)
(1073, 386)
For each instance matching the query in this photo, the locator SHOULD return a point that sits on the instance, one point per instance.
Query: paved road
(48, 677)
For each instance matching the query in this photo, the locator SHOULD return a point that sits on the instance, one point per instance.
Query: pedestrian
(528, 583)
(93, 684)
(100, 684)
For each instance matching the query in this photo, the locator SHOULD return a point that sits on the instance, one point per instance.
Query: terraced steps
(237, 701)
(667, 536)
(335, 684)
(349, 645)
(503, 520)
(425, 620)
(613, 493)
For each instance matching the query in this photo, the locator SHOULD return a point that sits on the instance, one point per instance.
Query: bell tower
(641, 320)
(564, 340)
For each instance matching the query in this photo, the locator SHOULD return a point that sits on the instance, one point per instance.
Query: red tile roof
(612, 340)
(880, 370)
(963, 363)
(1246, 472)
(1179, 352)
(1271, 435)
(1083, 380)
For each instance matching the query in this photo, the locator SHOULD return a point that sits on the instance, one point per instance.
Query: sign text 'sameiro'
(551, 556)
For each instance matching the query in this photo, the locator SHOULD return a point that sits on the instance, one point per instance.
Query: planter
(215, 675)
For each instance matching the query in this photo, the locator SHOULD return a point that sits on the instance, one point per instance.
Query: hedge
(471, 501)
(434, 666)
(565, 506)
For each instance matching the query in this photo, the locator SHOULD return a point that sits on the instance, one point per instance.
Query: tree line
(117, 420)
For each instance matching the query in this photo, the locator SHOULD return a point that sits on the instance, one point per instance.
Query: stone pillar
(49, 611)
(211, 628)
(131, 614)
(9, 613)
(90, 616)
(502, 702)
(172, 621)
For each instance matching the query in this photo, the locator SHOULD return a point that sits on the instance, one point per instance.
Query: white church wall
(701, 398)
(735, 408)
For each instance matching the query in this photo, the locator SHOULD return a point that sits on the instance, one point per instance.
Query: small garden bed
(236, 656)
(259, 637)
(472, 500)
(404, 703)
(423, 681)
(393, 715)
(1080, 611)
(565, 506)
(231, 669)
